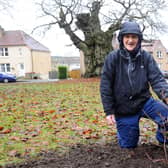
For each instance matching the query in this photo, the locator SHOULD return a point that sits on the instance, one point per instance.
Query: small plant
(62, 72)
(163, 130)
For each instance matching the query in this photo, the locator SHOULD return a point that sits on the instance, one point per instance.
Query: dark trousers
(128, 126)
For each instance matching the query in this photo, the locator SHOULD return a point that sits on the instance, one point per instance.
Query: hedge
(62, 72)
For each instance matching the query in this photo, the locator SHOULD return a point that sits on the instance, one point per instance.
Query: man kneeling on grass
(126, 78)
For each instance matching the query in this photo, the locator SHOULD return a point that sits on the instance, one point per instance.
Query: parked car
(5, 77)
(165, 74)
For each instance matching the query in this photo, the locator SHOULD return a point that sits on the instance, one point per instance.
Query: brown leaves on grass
(40, 116)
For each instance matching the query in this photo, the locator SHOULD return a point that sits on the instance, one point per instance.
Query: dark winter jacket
(125, 81)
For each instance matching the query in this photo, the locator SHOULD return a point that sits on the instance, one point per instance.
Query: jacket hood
(130, 28)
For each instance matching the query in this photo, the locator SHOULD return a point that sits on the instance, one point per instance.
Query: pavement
(37, 80)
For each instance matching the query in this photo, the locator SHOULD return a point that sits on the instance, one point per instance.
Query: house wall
(33, 61)
(163, 61)
(41, 63)
(18, 55)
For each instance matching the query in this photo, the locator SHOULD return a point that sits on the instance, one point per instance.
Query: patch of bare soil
(99, 156)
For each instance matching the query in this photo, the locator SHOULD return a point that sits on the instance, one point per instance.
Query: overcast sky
(23, 17)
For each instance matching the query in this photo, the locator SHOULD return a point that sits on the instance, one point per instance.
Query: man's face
(130, 41)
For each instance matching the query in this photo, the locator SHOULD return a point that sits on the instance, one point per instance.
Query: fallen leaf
(14, 153)
(15, 138)
(46, 143)
(51, 111)
(1, 128)
(7, 131)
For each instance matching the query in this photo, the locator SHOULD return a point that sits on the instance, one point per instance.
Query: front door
(21, 69)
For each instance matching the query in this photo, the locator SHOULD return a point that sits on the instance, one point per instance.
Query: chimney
(2, 32)
(115, 43)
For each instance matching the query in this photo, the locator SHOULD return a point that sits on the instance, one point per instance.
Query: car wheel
(6, 80)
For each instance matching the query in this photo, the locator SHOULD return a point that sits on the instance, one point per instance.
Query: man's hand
(166, 100)
(110, 119)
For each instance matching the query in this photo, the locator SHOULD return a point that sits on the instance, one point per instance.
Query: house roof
(148, 45)
(20, 38)
(65, 60)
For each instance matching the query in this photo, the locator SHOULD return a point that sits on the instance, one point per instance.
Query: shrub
(62, 72)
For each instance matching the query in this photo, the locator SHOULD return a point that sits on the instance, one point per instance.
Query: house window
(5, 67)
(159, 54)
(3, 51)
(22, 66)
(20, 51)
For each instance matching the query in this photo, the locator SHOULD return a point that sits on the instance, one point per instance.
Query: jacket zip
(129, 77)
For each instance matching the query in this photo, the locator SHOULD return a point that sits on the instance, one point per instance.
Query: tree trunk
(95, 53)
(97, 43)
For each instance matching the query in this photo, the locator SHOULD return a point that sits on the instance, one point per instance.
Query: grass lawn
(45, 116)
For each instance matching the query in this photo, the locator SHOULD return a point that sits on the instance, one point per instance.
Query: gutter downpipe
(32, 64)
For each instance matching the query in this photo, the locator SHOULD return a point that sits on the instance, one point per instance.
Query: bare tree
(98, 20)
